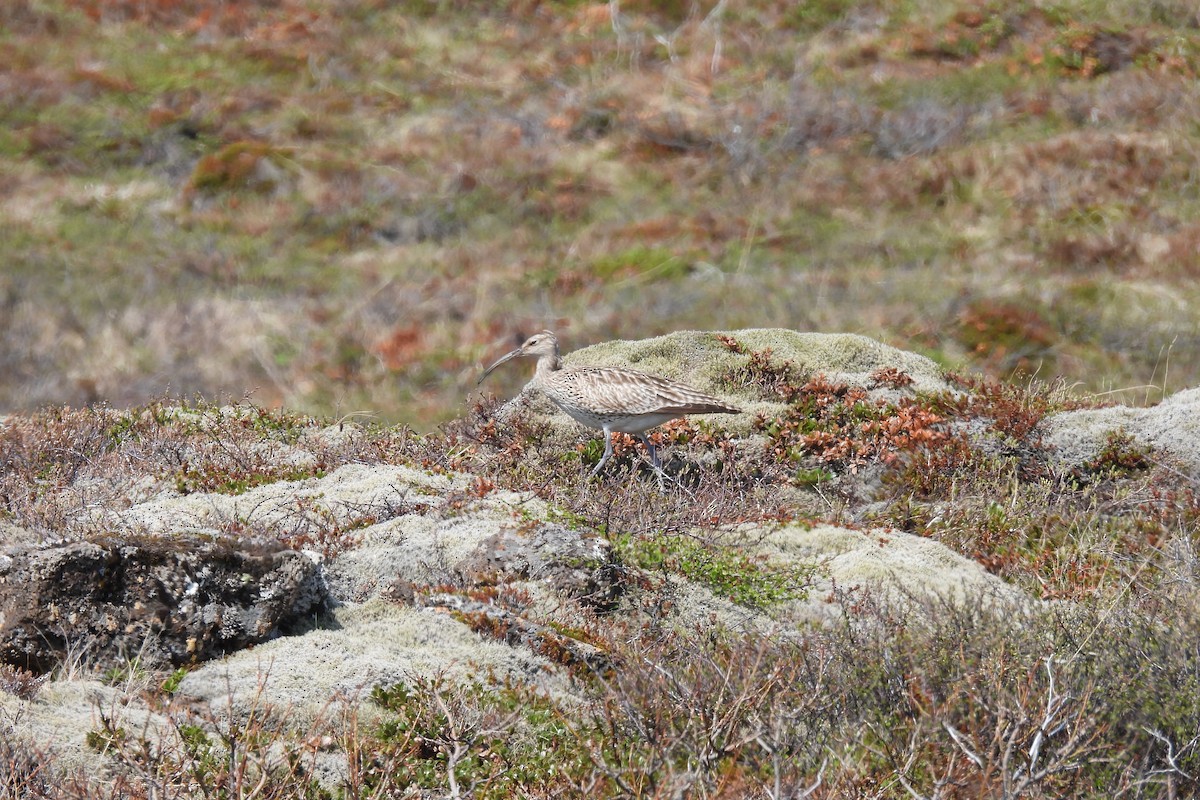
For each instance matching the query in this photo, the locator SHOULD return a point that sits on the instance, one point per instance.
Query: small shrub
(29, 771)
(840, 425)
(1121, 455)
(919, 128)
(773, 379)
(470, 739)
(21, 683)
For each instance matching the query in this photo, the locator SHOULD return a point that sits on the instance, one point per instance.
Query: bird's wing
(626, 391)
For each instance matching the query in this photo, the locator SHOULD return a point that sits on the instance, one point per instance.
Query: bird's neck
(547, 365)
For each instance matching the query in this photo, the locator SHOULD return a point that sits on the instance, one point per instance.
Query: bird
(611, 398)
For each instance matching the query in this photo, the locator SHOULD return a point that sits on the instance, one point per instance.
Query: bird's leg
(607, 453)
(654, 462)
(644, 439)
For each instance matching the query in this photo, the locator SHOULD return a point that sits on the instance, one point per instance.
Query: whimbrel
(611, 398)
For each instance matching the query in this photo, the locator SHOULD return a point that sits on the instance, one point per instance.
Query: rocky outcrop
(160, 601)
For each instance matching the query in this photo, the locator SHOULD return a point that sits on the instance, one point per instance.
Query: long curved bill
(502, 360)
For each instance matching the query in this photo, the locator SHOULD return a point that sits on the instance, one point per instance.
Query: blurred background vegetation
(347, 206)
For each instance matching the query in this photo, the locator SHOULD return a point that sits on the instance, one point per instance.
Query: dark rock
(163, 602)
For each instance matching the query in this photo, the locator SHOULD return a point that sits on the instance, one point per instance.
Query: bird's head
(540, 345)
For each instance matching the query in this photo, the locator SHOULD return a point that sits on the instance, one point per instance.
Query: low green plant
(108, 737)
(171, 683)
(200, 749)
(237, 480)
(728, 571)
(812, 477)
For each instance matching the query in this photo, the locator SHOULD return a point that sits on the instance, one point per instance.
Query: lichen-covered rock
(702, 358)
(161, 601)
(574, 566)
(482, 547)
(13, 535)
(1172, 427)
(893, 563)
(377, 643)
(285, 507)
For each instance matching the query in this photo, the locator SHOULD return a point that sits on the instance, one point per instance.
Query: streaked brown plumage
(611, 398)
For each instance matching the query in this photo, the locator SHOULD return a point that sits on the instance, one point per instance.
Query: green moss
(728, 571)
(988, 82)
(570, 520)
